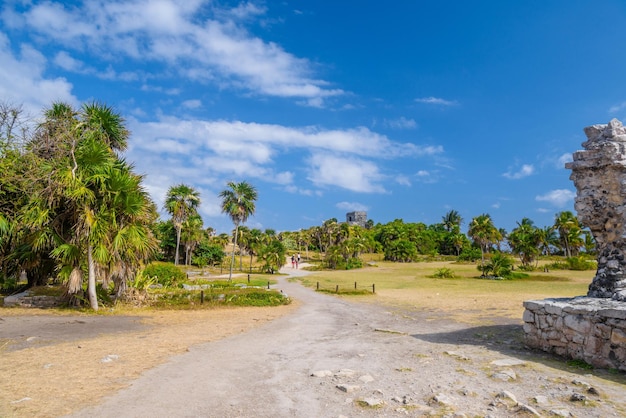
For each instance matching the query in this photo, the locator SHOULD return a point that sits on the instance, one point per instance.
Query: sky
(404, 109)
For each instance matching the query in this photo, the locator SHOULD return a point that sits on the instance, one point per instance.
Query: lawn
(467, 297)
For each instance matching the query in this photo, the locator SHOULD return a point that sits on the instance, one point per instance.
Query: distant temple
(356, 218)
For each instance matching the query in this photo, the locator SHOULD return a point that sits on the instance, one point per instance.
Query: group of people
(295, 260)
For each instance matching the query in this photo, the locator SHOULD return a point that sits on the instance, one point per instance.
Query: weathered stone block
(618, 337)
(578, 323)
(528, 316)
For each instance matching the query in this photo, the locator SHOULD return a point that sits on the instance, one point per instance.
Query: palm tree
(181, 202)
(238, 202)
(451, 219)
(484, 233)
(525, 241)
(565, 222)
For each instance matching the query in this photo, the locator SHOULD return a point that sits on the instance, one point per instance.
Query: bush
(354, 263)
(470, 254)
(166, 274)
(579, 263)
(444, 273)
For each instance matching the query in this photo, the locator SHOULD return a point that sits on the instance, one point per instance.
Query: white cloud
(524, 171)
(348, 173)
(22, 79)
(192, 104)
(437, 101)
(351, 206)
(403, 180)
(401, 123)
(65, 61)
(168, 32)
(617, 108)
(558, 197)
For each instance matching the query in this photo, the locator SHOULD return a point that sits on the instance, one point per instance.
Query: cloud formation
(558, 198)
(168, 33)
(437, 101)
(524, 171)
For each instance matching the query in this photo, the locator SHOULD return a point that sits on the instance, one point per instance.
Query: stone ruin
(599, 174)
(592, 328)
(357, 218)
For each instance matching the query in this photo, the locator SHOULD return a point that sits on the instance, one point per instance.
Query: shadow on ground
(508, 339)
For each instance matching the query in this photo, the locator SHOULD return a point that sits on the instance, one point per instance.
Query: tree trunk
(91, 280)
(232, 258)
(178, 231)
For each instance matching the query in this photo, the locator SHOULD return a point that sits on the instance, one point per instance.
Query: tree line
(72, 208)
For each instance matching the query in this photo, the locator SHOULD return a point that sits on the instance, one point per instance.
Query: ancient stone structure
(592, 328)
(356, 218)
(588, 329)
(599, 174)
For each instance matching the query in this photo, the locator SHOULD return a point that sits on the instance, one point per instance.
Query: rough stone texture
(357, 218)
(599, 174)
(583, 328)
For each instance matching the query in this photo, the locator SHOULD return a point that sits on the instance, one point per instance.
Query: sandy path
(410, 365)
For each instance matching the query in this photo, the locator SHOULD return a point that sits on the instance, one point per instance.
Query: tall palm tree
(565, 223)
(181, 202)
(239, 203)
(484, 233)
(452, 219)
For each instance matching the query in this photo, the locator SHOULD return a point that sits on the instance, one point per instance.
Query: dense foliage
(72, 208)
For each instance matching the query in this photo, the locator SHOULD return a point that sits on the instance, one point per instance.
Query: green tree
(451, 220)
(239, 203)
(272, 255)
(568, 228)
(525, 241)
(181, 202)
(484, 234)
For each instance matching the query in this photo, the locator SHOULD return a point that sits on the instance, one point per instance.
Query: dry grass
(465, 298)
(65, 377)
(55, 380)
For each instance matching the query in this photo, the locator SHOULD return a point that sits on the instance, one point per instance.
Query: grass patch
(219, 294)
(579, 364)
(411, 286)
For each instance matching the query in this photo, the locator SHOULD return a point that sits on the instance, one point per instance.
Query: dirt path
(334, 358)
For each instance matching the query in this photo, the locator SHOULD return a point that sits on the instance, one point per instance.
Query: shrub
(166, 274)
(354, 263)
(579, 263)
(444, 273)
(499, 265)
(470, 254)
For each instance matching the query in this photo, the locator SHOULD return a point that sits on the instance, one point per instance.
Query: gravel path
(334, 358)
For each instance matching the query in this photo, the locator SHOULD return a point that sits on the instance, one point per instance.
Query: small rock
(508, 362)
(540, 400)
(109, 358)
(322, 373)
(578, 397)
(529, 409)
(373, 402)
(560, 413)
(593, 391)
(506, 395)
(366, 378)
(443, 399)
(505, 375)
(47, 365)
(348, 388)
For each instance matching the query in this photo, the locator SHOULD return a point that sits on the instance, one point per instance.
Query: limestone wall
(589, 329)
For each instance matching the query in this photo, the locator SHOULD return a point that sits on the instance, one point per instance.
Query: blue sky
(404, 109)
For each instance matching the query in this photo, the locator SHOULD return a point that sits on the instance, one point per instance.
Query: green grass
(472, 298)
